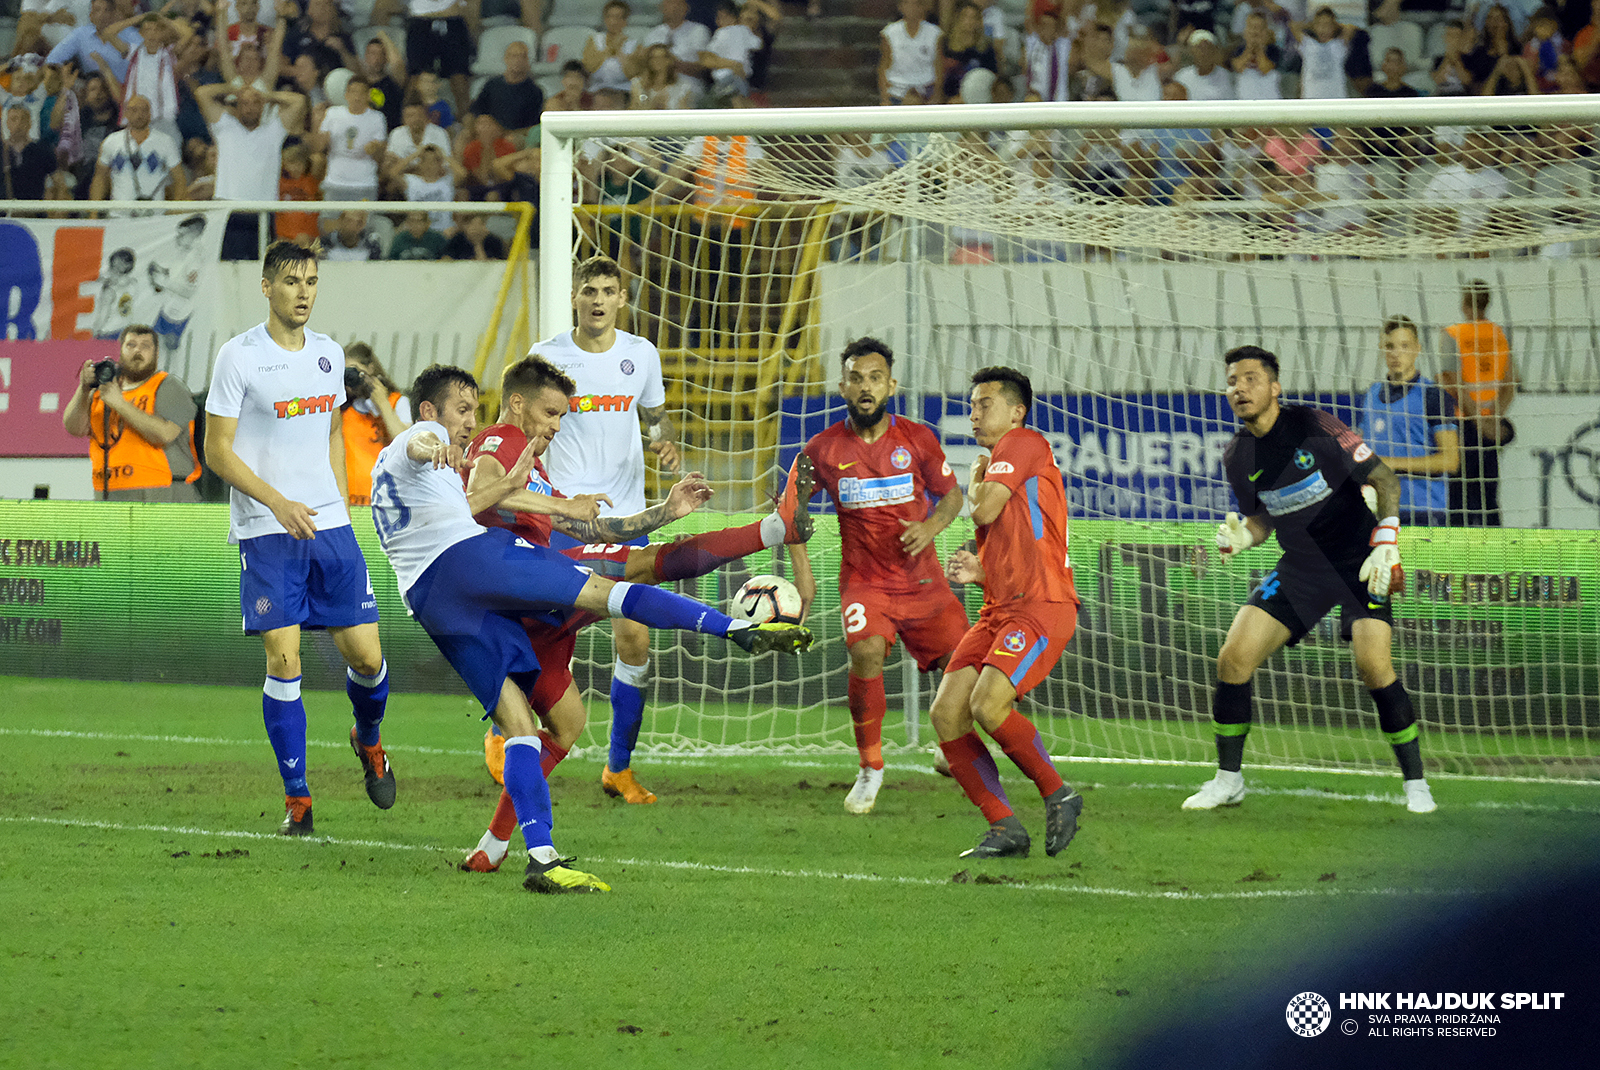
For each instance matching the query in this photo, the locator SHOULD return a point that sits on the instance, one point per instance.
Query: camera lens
(355, 384)
(105, 371)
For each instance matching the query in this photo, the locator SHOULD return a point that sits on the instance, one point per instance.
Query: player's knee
(1234, 666)
(949, 720)
(866, 663)
(366, 662)
(284, 664)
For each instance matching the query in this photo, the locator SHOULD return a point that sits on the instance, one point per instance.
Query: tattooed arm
(687, 495)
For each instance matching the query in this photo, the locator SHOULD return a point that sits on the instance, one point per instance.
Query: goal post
(1114, 251)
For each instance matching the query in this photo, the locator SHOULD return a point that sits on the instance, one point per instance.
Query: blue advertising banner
(1130, 456)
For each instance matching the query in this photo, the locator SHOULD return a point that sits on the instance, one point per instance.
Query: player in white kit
(599, 451)
(469, 587)
(274, 436)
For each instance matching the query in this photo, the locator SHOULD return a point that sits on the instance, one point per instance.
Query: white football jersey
(420, 511)
(285, 403)
(599, 449)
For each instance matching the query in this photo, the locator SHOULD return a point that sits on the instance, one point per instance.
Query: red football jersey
(1024, 550)
(505, 443)
(874, 486)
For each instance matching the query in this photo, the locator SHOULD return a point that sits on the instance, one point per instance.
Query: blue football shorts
(315, 583)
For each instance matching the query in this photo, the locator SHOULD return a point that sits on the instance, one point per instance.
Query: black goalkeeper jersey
(1307, 473)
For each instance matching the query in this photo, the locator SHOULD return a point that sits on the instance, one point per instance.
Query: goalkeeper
(1298, 471)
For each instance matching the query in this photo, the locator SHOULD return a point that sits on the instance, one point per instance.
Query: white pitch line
(781, 874)
(693, 761)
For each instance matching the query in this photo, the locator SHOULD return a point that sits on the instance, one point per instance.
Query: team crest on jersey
(1014, 642)
(901, 457)
(325, 364)
(627, 367)
(1303, 460)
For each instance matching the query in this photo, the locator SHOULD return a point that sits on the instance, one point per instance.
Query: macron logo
(302, 406)
(291, 762)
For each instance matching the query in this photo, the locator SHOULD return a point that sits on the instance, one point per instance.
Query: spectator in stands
(762, 18)
(1471, 177)
(1120, 16)
(25, 162)
(257, 66)
(489, 143)
(1094, 77)
(438, 39)
(249, 30)
(431, 175)
(298, 181)
(473, 241)
(964, 47)
(1586, 48)
(686, 39)
(513, 98)
(306, 77)
(351, 239)
(1047, 59)
(200, 169)
(249, 136)
(318, 30)
(1513, 76)
(572, 96)
(1452, 75)
(105, 36)
(353, 137)
(1277, 19)
(138, 163)
(407, 141)
(1324, 48)
(1255, 64)
(1544, 48)
(1138, 78)
(416, 239)
(529, 13)
(97, 117)
(610, 56)
(1186, 16)
(1341, 181)
(385, 70)
(1206, 77)
(659, 85)
(440, 113)
(727, 54)
(908, 57)
(61, 127)
(1568, 78)
(373, 414)
(1392, 84)
(1496, 40)
(28, 92)
(43, 24)
(1477, 371)
(152, 71)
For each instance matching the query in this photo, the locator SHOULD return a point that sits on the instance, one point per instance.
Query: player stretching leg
(534, 397)
(1298, 472)
(469, 588)
(275, 438)
(1030, 610)
(894, 493)
(619, 377)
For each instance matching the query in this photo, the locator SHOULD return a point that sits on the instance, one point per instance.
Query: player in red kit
(534, 395)
(894, 492)
(1030, 610)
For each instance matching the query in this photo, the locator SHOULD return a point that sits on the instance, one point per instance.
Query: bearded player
(600, 451)
(894, 493)
(1030, 610)
(534, 397)
(1299, 472)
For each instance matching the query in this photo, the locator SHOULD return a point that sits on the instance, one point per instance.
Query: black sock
(1230, 717)
(1399, 724)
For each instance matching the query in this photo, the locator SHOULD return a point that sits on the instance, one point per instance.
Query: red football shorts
(930, 622)
(1024, 640)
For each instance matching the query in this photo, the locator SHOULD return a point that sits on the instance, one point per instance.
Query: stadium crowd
(435, 100)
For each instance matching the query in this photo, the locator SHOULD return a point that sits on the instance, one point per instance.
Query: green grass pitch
(152, 918)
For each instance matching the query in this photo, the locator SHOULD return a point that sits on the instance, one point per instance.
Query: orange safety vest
(131, 462)
(363, 441)
(1485, 359)
(733, 170)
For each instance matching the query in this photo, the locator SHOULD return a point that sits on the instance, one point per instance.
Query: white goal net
(1114, 252)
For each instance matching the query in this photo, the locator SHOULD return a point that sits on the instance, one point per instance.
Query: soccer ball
(766, 598)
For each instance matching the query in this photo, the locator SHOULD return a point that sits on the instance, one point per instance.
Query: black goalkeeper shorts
(1300, 597)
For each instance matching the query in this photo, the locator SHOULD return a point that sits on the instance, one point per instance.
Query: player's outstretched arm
(294, 516)
(918, 535)
(687, 495)
(1234, 534)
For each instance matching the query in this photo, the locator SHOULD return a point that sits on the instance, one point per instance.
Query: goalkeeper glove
(1381, 571)
(1233, 536)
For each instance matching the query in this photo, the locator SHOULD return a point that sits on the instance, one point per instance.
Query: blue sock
(627, 712)
(368, 696)
(285, 717)
(530, 795)
(665, 610)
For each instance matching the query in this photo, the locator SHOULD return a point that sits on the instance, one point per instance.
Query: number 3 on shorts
(855, 617)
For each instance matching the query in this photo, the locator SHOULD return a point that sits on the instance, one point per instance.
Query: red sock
(550, 753)
(974, 769)
(699, 554)
(1020, 740)
(867, 706)
(504, 822)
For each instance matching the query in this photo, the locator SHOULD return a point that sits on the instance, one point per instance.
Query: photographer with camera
(374, 413)
(139, 423)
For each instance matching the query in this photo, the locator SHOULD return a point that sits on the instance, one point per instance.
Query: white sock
(494, 847)
(543, 855)
(773, 530)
